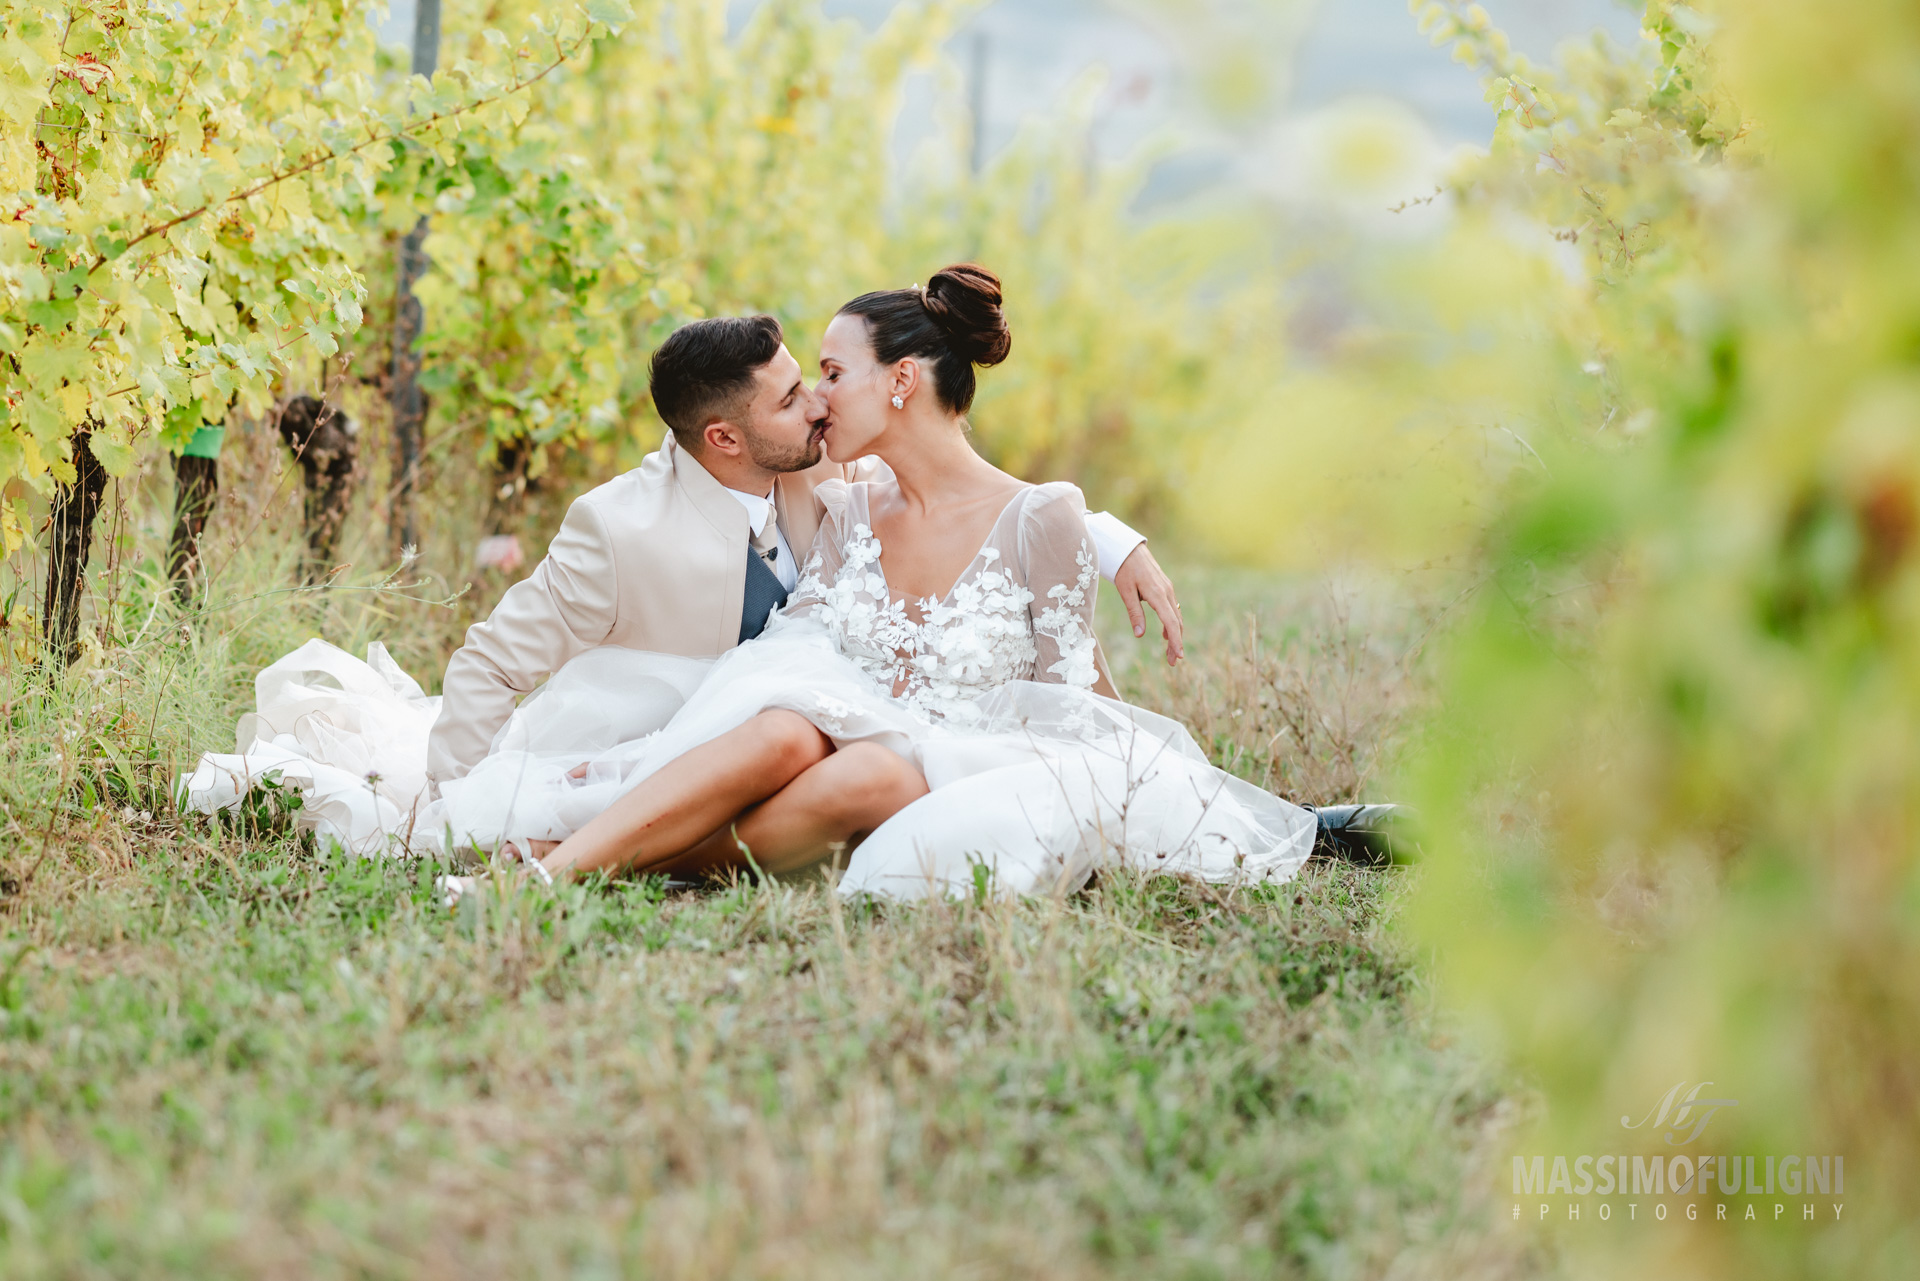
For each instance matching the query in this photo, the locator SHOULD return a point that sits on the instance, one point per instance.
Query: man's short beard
(778, 459)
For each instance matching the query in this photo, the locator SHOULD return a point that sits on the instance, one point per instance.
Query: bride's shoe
(454, 888)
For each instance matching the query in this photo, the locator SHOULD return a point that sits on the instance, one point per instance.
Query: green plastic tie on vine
(205, 443)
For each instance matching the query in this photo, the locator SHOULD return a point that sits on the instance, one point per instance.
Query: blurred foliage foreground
(1671, 789)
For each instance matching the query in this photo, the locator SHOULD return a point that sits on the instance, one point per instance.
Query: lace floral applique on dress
(1028, 616)
(1065, 623)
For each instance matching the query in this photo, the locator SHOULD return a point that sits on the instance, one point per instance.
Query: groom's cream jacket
(655, 560)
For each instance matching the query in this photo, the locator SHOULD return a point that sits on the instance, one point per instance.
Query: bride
(939, 648)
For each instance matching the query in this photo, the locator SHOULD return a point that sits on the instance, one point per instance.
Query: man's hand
(1141, 579)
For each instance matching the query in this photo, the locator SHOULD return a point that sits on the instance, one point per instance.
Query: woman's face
(856, 389)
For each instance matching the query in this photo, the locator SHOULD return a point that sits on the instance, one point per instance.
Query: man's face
(778, 430)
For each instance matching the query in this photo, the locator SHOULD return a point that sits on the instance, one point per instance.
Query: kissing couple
(917, 696)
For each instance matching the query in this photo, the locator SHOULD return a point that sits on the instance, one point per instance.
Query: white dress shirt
(1113, 541)
(759, 516)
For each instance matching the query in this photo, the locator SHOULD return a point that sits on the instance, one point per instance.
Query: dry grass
(1303, 688)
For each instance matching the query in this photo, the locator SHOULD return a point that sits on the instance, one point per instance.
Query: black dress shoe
(1364, 835)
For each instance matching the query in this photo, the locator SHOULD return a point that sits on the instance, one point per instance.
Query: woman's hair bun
(955, 323)
(964, 300)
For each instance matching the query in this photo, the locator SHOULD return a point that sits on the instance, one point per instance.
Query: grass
(223, 1052)
(245, 1061)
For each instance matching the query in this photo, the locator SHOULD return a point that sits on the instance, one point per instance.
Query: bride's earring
(899, 403)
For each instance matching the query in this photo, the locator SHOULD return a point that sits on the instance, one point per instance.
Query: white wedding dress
(1033, 777)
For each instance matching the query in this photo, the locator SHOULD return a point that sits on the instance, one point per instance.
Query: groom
(690, 552)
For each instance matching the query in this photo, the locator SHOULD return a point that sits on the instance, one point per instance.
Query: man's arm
(568, 604)
(1137, 576)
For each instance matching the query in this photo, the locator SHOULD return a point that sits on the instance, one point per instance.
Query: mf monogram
(1682, 1110)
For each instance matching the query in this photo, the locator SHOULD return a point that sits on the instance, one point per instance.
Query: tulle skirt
(1033, 787)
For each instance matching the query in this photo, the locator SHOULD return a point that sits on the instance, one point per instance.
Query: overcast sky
(1032, 50)
(1036, 47)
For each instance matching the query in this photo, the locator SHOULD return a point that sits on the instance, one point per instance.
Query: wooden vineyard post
(408, 406)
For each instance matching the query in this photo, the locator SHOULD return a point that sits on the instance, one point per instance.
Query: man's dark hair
(704, 371)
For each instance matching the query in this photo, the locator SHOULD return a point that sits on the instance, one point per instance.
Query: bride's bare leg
(688, 798)
(838, 801)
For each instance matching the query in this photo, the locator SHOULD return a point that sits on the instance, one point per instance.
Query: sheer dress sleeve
(823, 560)
(1063, 573)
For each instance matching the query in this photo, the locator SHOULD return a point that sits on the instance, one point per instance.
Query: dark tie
(763, 594)
(766, 543)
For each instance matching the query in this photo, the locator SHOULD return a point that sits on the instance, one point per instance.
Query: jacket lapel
(710, 500)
